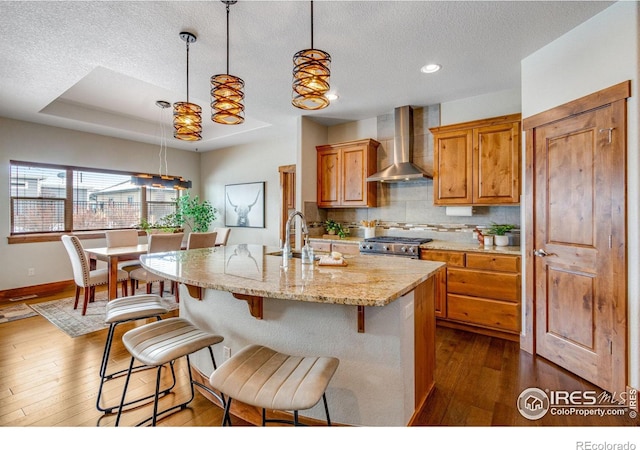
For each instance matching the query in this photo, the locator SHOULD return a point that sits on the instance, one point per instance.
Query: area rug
(72, 322)
(15, 312)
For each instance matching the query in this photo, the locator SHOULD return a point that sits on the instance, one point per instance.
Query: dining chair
(223, 235)
(84, 277)
(201, 240)
(158, 243)
(124, 238)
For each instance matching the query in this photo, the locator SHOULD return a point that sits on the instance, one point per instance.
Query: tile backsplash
(407, 208)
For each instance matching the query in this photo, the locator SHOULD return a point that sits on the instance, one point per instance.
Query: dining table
(112, 255)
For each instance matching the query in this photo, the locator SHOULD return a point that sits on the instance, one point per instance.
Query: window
(49, 198)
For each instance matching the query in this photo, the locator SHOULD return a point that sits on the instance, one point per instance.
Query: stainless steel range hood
(402, 168)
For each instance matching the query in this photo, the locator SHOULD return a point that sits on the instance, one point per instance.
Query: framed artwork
(244, 205)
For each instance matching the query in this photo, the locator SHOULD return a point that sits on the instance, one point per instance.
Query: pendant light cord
(187, 70)
(311, 23)
(227, 38)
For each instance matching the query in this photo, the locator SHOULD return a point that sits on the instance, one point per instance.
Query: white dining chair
(124, 238)
(158, 243)
(84, 277)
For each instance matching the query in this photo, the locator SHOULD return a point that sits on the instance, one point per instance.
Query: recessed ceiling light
(332, 96)
(430, 68)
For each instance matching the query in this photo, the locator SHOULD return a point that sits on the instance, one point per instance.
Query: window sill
(53, 237)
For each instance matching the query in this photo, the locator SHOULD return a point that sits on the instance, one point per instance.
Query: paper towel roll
(459, 211)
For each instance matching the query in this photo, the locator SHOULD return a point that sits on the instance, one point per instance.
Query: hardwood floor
(50, 380)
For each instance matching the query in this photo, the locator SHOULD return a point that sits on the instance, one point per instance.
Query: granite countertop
(366, 280)
(471, 247)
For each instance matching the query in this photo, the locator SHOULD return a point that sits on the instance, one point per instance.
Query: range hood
(402, 168)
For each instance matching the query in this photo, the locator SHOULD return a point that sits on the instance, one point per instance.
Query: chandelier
(187, 119)
(311, 76)
(226, 91)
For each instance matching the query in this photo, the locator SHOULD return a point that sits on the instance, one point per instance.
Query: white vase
(501, 240)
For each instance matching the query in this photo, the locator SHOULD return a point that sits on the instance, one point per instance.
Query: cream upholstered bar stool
(159, 343)
(119, 311)
(262, 377)
(84, 277)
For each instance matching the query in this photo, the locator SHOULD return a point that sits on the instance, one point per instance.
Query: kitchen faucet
(286, 249)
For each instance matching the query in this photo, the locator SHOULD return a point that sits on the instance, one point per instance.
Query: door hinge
(610, 347)
(610, 241)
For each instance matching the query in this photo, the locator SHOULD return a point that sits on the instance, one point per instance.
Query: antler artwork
(243, 211)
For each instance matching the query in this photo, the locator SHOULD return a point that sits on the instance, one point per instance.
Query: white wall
(31, 142)
(493, 104)
(246, 164)
(599, 53)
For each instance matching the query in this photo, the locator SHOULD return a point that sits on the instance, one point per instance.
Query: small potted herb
(500, 231)
(334, 227)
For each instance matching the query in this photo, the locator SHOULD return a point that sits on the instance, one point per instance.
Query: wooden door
(579, 241)
(452, 178)
(496, 164)
(328, 177)
(287, 198)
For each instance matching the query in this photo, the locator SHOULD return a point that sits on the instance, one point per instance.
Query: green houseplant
(193, 212)
(334, 227)
(500, 231)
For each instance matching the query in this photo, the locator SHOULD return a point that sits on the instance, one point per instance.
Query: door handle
(542, 253)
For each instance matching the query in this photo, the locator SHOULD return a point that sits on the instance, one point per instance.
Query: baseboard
(31, 292)
(479, 330)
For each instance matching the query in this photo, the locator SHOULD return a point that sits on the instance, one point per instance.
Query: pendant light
(187, 117)
(226, 91)
(311, 76)
(162, 179)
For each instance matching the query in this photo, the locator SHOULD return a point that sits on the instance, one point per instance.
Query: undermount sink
(294, 254)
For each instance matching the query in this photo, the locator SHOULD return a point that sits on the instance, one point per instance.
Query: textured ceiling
(100, 66)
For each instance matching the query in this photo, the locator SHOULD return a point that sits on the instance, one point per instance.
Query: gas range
(393, 246)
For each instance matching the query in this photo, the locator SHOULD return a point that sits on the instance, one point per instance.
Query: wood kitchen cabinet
(342, 174)
(352, 248)
(478, 163)
(482, 292)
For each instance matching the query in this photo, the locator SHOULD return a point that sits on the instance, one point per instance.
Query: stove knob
(370, 247)
(412, 249)
(385, 248)
(403, 249)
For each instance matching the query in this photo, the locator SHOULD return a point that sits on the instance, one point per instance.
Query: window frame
(49, 236)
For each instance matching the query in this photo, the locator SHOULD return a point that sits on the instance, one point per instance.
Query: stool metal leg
(104, 377)
(156, 396)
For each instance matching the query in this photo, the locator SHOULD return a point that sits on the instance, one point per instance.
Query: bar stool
(160, 343)
(118, 311)
(265, 378)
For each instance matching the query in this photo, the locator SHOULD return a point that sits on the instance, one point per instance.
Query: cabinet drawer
(485, 312)
(321, 246)
(493, 262)
(347, 249)
(496, 285)
(451, 258)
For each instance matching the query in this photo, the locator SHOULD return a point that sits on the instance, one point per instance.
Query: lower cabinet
(481, 292)
(352, 248)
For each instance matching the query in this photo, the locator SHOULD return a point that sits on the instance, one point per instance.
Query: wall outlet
(31, 271)
(226, 353)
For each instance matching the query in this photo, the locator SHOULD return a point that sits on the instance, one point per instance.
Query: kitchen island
(376, 314)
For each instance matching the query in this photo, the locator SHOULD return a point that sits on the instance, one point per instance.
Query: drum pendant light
(226, 91)
(187, 117)
(311, 76)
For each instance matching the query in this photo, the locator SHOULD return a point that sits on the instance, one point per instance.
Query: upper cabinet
(477, 163)
(342, 174)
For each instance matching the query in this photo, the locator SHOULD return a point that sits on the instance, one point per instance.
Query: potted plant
(499, 231)
(334, 227)
(197, 215)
